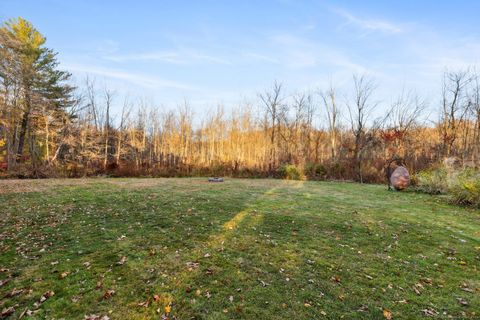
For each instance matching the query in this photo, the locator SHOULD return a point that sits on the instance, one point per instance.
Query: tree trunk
(22, 135)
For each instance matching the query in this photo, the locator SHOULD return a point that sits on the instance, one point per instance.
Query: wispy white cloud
(133, 78)
(299, 52)
(181, 57)
(370, 25)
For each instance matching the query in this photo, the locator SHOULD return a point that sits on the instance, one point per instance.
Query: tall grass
(461, 186)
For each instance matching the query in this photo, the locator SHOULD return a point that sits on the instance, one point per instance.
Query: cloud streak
(133, 78)
(180, 57)
(370, 25)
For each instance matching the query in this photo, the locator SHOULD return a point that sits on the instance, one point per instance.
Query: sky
(226, 52)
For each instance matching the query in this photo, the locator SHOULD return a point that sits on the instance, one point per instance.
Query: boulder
(400, 178)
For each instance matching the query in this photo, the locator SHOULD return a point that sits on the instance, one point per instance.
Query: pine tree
(41, 89)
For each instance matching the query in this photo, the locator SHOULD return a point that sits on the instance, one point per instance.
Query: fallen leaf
(107, 294)
(168, 309)
(462, 301)
(363, 308)
(14, 292)
(46, 295)
(430, 312)
(95, 317)
(122, 261)
(144, 304)
(264, 284)
(4, 282)
(387, 314)
(7, 311)
(192, 265)
(209, 272)
(64, 275)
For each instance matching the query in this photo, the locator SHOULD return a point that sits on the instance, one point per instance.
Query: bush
(316, 171)
(432, 181)
(291, 172)
(465, 188)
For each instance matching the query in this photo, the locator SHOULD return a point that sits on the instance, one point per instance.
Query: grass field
(250, 249)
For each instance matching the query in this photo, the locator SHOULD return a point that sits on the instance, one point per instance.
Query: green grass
(249, 249)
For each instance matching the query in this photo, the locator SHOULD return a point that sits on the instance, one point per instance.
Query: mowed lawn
(242, 249)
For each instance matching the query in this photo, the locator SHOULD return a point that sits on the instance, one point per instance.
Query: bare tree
(360, 111)
(329, 99)
(475, 108)
(453, 107)
(275, 110)
(402, 116)
(126, 109)
(108, 99)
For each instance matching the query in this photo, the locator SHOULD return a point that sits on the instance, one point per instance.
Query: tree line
(50, 128)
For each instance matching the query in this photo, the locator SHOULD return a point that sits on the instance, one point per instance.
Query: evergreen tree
(41, 89)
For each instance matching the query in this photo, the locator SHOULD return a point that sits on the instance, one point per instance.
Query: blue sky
(210, 52)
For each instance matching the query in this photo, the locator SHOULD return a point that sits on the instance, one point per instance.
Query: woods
(48, 128)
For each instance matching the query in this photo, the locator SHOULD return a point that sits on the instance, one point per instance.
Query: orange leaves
(387, 314)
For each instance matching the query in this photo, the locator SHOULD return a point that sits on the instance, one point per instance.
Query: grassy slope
(265, 249)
